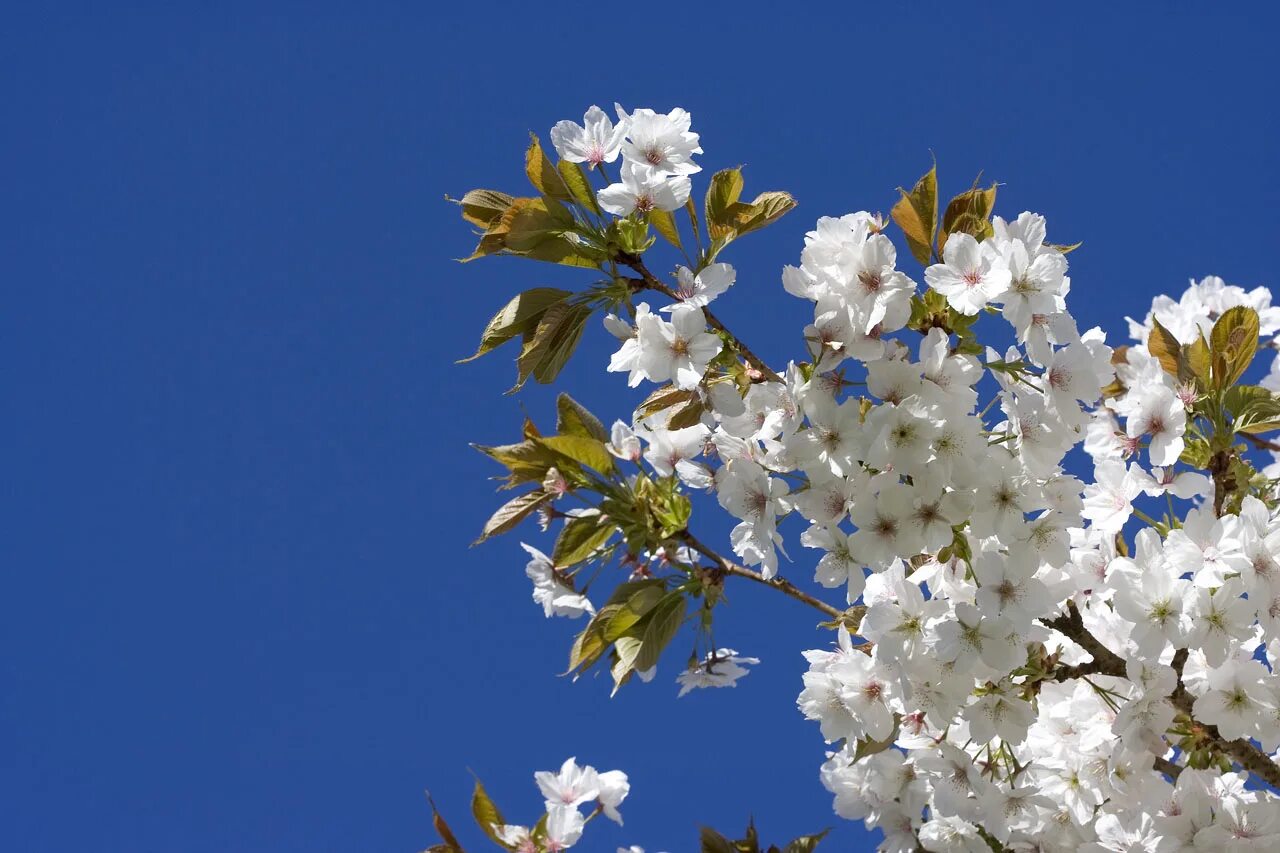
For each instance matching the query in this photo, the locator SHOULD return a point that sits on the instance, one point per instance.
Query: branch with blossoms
(1014, 664)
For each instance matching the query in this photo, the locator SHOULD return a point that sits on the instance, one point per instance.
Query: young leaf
(660, 627)
(665, 224)
(575, 178)
(969, 213)
(767, 208)
(806, 843)
(574, 419)
(917, 215)
(722, 195)
(585, 450)
(517, 317)
(511, 513)
(450, 844)
(579, 539)
(549, 346)
(1232, 343)
(544, 176)
(714, 842)
(1164, 347)
(481, 207)
(487, 815)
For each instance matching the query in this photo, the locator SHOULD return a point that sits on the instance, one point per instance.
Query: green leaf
(517, 317)
(582, 449)
(806, 843)
(714, 842)
(482, 207)
(916, 213)
(525, 461)
(1164, 347)
(1233, 343)
(766, 209)
(512, 513)
(1196, 453)
(665, 224)
(572, 418)
(661, 626)
(580, 538)
(487, 815)
(638, 606)
(1253, 409)
(531, 221)
(579, 184)
(722, 195)
(566, 251)
(549, 346)
(545, 178)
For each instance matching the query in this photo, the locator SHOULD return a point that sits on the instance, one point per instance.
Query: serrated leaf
(766, 209)
(660, 626)
(512, 513)
(579, 184)
(636, 608)
(722, 194)
(687, 415)
(1232, 344)
(546, 350)
(583, 449)
(579, 539)
(566, 251)
(572, 418)
(516, 317)
(664, 398)
(665, 224)
(916, 213)
(487, 815)
(1253, 409)
(806, 843)
(542, 174)
(1164, 347)
(531, 221)
(482, 207)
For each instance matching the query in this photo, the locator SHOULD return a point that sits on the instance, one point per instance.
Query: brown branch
(1167, 767)
(781, 584)
(1107, 662)
(648, 281)
(1261, 443)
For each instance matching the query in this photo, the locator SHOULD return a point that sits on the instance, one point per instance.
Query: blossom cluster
(566, 791)
(1008, 670)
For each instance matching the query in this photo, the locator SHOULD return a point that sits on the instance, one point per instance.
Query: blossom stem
(650, 282)
(782, 584)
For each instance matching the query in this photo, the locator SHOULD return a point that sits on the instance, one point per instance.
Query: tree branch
(648, 281)
(1107, 662)
(781, 584)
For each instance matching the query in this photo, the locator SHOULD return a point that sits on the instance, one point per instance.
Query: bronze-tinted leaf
(916, 213)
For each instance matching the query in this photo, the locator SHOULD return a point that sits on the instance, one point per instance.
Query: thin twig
(781, 584)
(649, 281)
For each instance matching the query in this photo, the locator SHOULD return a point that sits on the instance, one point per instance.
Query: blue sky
(239, 609)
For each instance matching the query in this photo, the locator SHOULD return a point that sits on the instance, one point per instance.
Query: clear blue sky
(238, 608)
